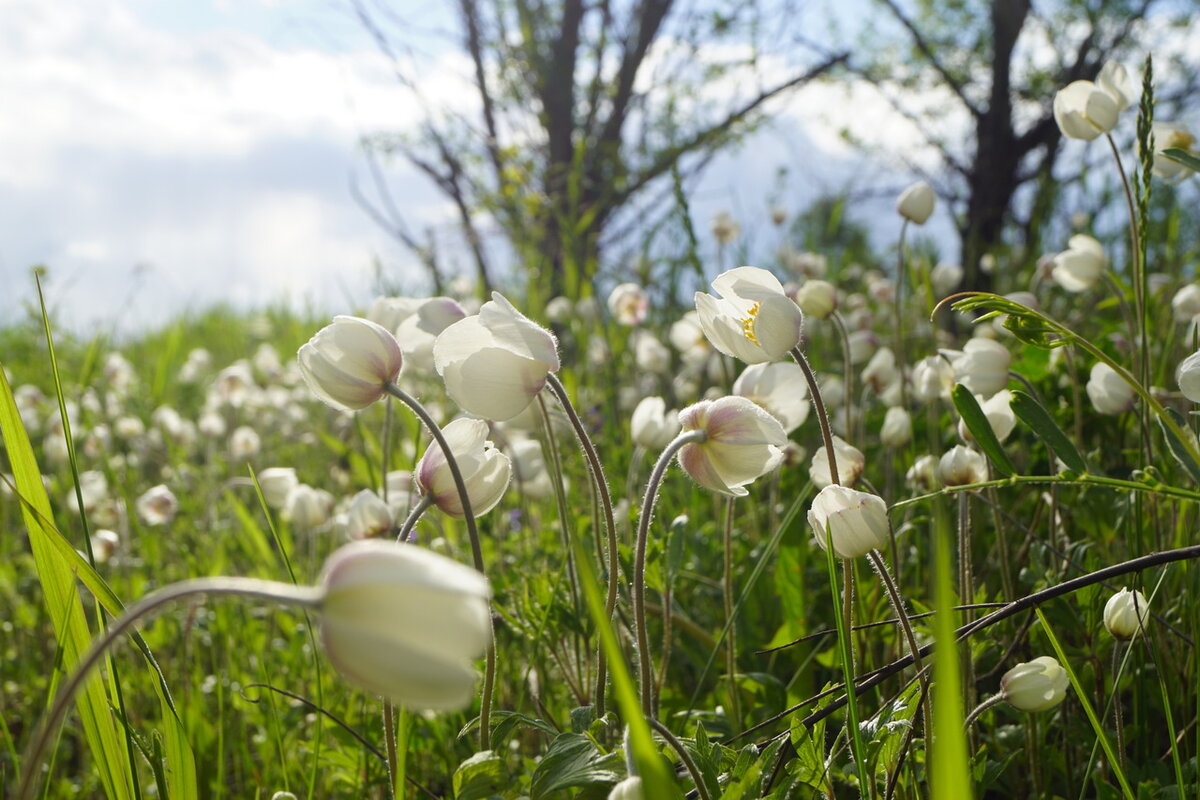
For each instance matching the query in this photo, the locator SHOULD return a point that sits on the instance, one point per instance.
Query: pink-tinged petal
(694, 416)
(737, 420)
(696, 463)
(494, 383)
(517, 333)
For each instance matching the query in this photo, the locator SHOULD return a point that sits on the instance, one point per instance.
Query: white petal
(517, 333)
(494, 383)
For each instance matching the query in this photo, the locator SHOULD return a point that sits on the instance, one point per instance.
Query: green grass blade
(950, 777)
(858, 747)
(1113, 762)
(111, 760)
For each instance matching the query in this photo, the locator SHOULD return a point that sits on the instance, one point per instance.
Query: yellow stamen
(748, 323)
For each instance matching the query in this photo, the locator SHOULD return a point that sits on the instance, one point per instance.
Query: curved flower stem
(596, 470)
(966, 590)
(982, 707)
(905, 625)
(306, 596)
(848, 369)
(814, 391)
(735, 704)
(684, 756)
(645, 667)
(489, 674)
(422, 505)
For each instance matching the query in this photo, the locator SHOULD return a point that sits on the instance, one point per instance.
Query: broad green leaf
(977, 422)
(573, 760)
(480, 776)
(100, 730)
(1031, 412)
(1178, 449)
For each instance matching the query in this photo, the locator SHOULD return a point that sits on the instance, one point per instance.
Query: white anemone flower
(780, 388)
(752, 319)
(485, 470)
(742, 442)
(496, 362)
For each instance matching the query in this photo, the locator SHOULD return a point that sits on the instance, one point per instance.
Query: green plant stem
(814, 391)
(684, 756)
(414, 516)
(906, 626)
(645, 667)
(489, 673)
(966, 590)
(275, 591)
(845, 619)
(596, 470)
(848, 371)
(393, 757)
(1118, 717)
(984, 706)
(735, 704)
(1086, 480)
(898, 307)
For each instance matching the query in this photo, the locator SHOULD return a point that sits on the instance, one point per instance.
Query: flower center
(748, 323)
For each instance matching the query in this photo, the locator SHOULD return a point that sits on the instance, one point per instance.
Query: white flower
(932, 379)
(1126, 613)
(1187, 375)
(650, 354)
(780, 388)
(529, 469)
(945, 278)
(276, 484)
(1081, 265)
(688, 338)
(368, 516)
(652, 426)
(1108, 391)
(916, 202)
(405, 623)
(897, 427)
(419, 330)
(855, 521)
(234, 385)
(725, 228)
(742, 442)
(628, 789)
(496, 362)
(308, 508)
(244, 443)
(348, 363)
(1167, 135)
(1185, 305)
(157, 506)
(485, 470)
(559, 309)
(961, 466)
(881, 372)
(753, 319)
(1037, 685)
(104, 544)
(981, 366)
(1085, 110)
(922, 475)
(628, 304)
(850, 464)
(817, 298)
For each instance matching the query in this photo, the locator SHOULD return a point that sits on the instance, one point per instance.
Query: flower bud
(276, 484)
(961, 466)
(1108, 391)
(308, 508)
(368, 516)
(850, 464)
(1126, 613)
(916, 202)
(817, 298)
(897, 427)
(1081, 265)
(652, 426)
(349, 362)
(856, 522)
(1037, 685)
(405, 623)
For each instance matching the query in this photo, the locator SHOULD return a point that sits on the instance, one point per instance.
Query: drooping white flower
(1087, 109)
(961, 466)
(308, 508)
(916, 203)
(652, 425)
(1126, 613)
(1108, 391)
(1037, 685)
(349, 363)
(157, 506)
(496, 362)
(1081, 265)
(752, 319)
(897, 427)
(932, 379)
(780, 388)
(368, 516)
(629, 304)
(981, 366)
(405, 623)
(742, 442)
(485, 470)
(419, 330)
(850, 464)
(276, 484)
(1187, 375)
(855, 521)
(999, 413)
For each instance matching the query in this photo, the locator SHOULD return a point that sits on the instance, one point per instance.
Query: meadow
(938, 497)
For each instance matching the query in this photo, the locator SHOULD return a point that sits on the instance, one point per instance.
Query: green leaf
(110, 758)
(480, 776)
(977, 422)
(1177, 447)
(573, 760)
(1033, 414)
(1181, 156)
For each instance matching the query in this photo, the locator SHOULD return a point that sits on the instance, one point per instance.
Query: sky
(162, 157)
